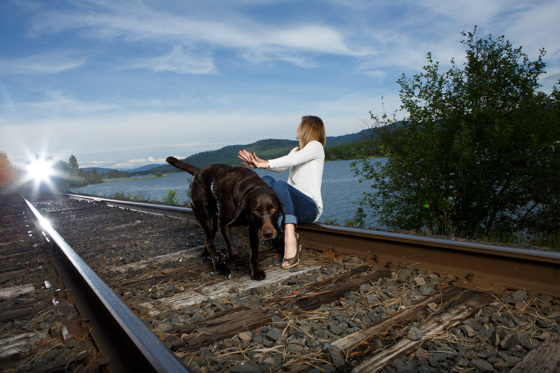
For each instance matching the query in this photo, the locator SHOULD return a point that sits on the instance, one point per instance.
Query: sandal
(293, 261)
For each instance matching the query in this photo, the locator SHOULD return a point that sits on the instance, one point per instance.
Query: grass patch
(132, 197)
(136, 178)
(170, 198)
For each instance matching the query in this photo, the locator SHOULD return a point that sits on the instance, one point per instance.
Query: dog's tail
(182, 165)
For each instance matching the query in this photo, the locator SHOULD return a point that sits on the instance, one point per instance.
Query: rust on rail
(478, 265)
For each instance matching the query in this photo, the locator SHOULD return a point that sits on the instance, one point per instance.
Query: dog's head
(261, 208)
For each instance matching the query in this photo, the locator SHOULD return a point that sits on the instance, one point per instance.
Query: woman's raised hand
(251, 160)
(246, 157)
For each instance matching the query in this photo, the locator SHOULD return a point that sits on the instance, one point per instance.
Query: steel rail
(173, 211)
(477, 265)
(119, 334)
(480, 266)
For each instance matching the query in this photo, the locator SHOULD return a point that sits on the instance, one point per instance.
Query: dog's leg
(208, 221)
(256, 272)
(209, 248)
(218, 258)
(232, 251)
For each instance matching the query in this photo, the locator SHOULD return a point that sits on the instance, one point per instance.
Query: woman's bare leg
(290, 242)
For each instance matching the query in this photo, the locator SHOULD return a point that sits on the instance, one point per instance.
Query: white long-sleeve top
(306, 170)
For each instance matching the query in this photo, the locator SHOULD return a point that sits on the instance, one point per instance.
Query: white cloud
(133, 21)
(178, 61)
(312, 38)
(134, 163)
(265, 56)
(58, 103)
(48, 63)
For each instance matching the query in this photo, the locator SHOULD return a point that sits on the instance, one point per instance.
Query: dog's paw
(258, 275)
(220, 266)
(228, 258)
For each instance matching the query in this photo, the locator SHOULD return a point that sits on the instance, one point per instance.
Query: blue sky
(125, 83)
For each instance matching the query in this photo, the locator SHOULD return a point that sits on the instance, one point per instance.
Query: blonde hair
(312, 129)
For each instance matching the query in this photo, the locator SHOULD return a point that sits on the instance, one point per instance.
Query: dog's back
(233, 181)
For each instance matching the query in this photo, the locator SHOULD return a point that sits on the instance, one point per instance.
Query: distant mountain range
(266, 149)
(102, 171)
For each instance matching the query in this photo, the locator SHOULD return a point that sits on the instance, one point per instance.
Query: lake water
(341, 189)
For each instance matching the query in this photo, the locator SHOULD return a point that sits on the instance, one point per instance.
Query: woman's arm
(312, 150)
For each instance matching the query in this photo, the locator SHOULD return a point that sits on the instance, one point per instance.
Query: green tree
(116, 174)
(478, 152)
(74, 166)
(93, 177)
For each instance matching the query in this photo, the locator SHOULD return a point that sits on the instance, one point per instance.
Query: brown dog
(224, 196)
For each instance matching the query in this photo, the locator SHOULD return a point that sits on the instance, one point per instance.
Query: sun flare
(40, 170)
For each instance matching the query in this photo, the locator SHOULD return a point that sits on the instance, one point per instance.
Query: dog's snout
(268, 233)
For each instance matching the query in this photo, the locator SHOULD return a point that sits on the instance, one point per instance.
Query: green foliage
(479, 148)
(115, 174)
(91, 177)
(358, 150)
(7, 170)
(67, 174)
(171, 197)
(330, 221)
(358, 221)
(159, 174)
(73, 165)
(129, 197)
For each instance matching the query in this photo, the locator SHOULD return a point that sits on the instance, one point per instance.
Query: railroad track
(360, 301)
(39, 324)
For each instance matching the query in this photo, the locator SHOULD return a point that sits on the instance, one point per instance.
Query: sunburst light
(40, 171)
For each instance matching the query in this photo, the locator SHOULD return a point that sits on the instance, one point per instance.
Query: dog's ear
(241, 206)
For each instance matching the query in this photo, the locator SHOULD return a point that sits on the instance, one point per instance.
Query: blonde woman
(301, 195)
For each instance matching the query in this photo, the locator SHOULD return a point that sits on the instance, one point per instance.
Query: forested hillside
(357, 150)
(271, 148)
(266, 149)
